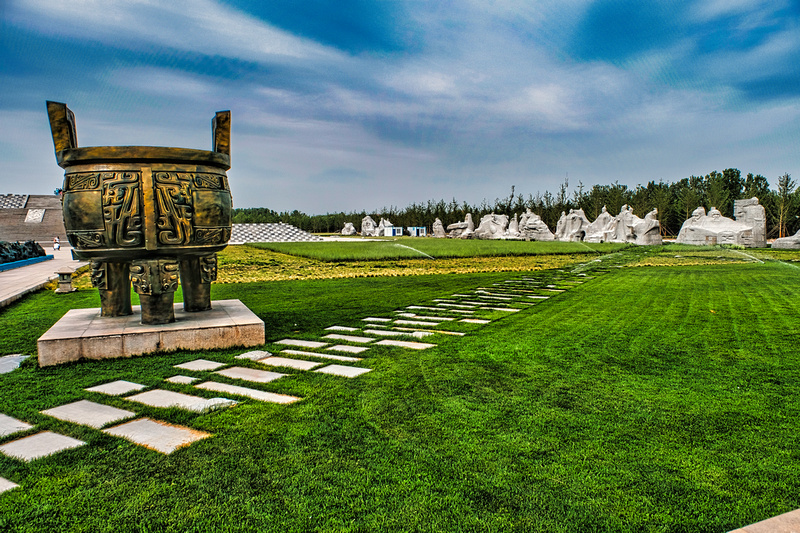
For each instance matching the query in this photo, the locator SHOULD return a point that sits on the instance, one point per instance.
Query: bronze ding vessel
(146, 215)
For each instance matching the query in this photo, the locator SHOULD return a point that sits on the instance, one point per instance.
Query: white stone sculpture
(714, 229)
(602, 229)
(647, 231)
(384, 223)
(349, 229)
(513, 228)
(792, 242)
(368, 227)
(572, 226)
(438, 229)
(533, 228)
(749, 212)
(492, 227)
(462, 230)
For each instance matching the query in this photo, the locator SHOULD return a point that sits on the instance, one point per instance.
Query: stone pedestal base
(84, 334)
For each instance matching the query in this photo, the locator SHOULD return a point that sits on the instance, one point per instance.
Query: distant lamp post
(65, 280)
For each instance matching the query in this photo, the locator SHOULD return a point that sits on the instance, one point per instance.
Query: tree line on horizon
(674, 202)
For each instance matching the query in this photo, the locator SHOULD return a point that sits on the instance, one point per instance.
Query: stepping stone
(11, 362)
(341, 328)
(199, 365)
(406, 344)
(431, 331)
(376, 319)
(348, 349)
(348, 338)
(181, 380)
(395, 333)
(116, 388)
(321, 355)
(166, 398)
(86, 413)
(254, 355)
(251, 374)
(39, 445)
(509, 309)
(157, 435)
(475, 320)
(290, 363)
(415, 323)
(539, 297)
(425, 308)
(346, 371)
(255, 394)
(430, 318)
(10, 425)
(6, 485)
(487, 297)
(302, 343)
(458, 305)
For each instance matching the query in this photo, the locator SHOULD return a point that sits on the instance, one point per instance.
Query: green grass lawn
(415, 248)
(647, 399)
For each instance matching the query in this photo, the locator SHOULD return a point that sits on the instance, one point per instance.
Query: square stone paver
(181, 380)
(116, 388)
(348, 338)
(11, 362)
(346, 371)
(39, 445)
(321, 355)
(10, 425)
(406, 344)
(475, 320)
(290, 363)
(166, 398)
(157, 435)
(250, 374)
(200, 365)
(255, 355)
(88, 413)
(347, 348)
(302, 343)
(6, 485)
(255, 394)
(341, 328)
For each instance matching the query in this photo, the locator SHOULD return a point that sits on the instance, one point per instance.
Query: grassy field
(415, 248)
(647, 399)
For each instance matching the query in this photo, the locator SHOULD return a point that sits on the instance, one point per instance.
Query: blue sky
(356, 104)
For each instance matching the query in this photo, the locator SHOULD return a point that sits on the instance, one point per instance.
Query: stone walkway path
(452, 316)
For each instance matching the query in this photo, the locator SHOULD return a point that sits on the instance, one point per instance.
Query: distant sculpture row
(572, 226)
(749, 229)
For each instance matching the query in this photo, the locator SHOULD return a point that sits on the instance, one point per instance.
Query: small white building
(417, 231)
(393, 231)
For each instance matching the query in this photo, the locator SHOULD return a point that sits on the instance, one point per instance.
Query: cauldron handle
(222, 132)
(62, 126)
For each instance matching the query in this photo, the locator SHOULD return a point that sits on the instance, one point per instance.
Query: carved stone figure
(572, 226)
(492, 227)
(438, 229)
(349, 229)
(711, 229)
(513, 228)
(532, 227)
(151, 205)
(10, 252)
(791, 242)
(647, 231)
(749, 212)
(602, 229)
(368, 227)
(462, 230)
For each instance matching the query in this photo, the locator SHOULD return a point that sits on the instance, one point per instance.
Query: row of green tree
(674, 202)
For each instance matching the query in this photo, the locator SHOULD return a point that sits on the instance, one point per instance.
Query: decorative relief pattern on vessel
(212, 235)
(86, 239)
(174, 210)
(100, 274)
(122, 210)
(154, 276)
(82, 181)
(208, 268)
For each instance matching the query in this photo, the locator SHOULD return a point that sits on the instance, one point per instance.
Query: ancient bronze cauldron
(147, 215)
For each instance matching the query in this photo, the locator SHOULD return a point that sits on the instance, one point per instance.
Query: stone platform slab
(84, 334)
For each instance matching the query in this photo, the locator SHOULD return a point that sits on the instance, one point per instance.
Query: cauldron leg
(155, 281)
(114, 283)
(197, 273)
